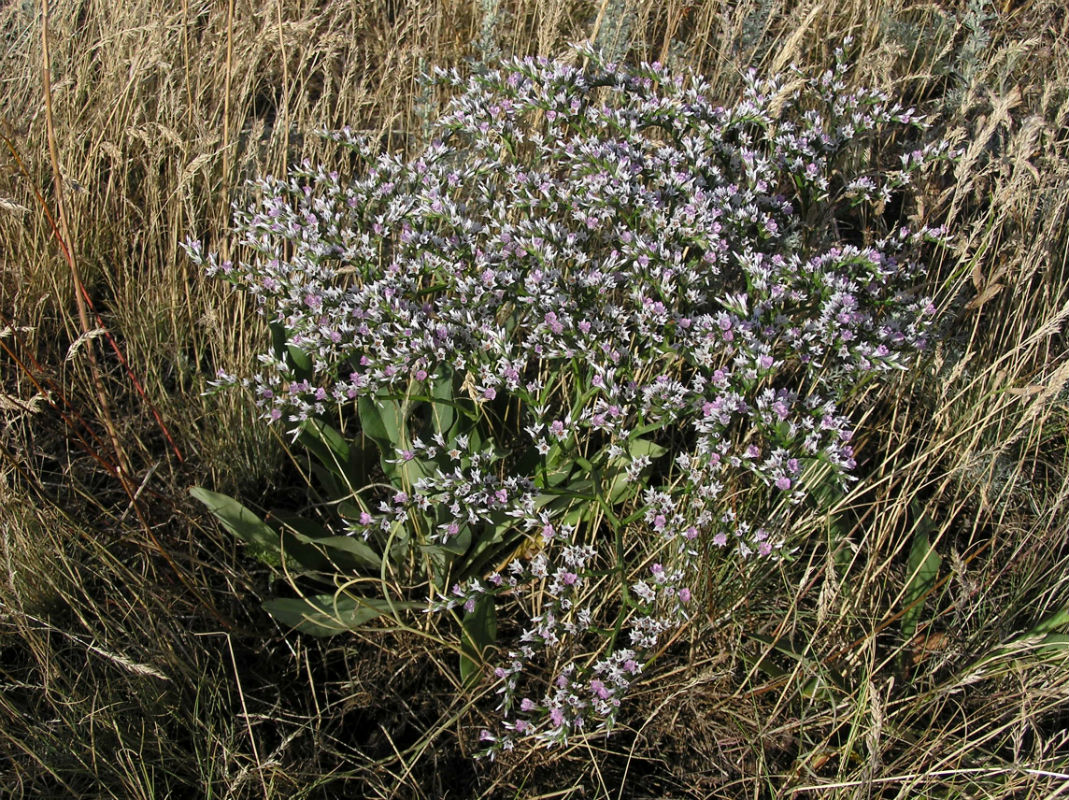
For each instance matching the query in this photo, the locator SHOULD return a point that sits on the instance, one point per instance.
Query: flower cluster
(654, 306)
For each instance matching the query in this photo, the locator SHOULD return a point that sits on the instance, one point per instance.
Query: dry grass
(132, 658)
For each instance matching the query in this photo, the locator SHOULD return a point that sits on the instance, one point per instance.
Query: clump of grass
(807, 682)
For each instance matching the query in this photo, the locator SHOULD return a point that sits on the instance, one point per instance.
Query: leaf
(383, 420)
(298, 536)
(492, 549)
(558, 500)
(298, 360)
(328, 446)
(263, 540)
(822, 485)
(380, 419)
(332, 484)
(442, 412)
(1054, 644)
(308, 542)
(309, 529)
(478, 632)
(557, 468)
(278, 338)
(414, 469)
(622, 488)
(637, 448)
(455, 546)
(347, 509)
(922, 569)
(329, 615)
(1041, 641)
(557, 476)
(362, 554)
(301, 361)
(330, 436)
(825, 492)
(1043, 637)
(1058, 620)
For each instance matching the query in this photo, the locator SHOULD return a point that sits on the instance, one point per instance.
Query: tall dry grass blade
(66, 244)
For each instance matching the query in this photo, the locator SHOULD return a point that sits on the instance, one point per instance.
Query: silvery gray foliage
(636, 286)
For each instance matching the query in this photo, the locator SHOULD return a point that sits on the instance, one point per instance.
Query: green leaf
(315, 547)
(347, 509)
(455, 546)
(442, 412)
(825, 492)
(263, 540)
(637, 448)
(381, 420)
(1043, 637)
(823, 486)
(299, 535)
(315, 431)
(557, 467)
(328, 615)
(922, 569)
(489, 550)
(361, 553)
(1040, 642)
(1054, 644)
(557, 476)
(621, 488)
(278, 338)
(478, 632)
(565, 501)
(414, 469)
(1051, 623)
(300, 360)
(333, 485)
(309, 529)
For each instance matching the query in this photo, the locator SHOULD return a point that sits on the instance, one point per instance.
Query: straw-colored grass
(134, 660)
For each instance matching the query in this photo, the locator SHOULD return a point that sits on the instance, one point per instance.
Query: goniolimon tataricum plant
(596, 338)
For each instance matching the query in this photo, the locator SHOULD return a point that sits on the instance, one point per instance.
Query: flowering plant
(598, 334)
